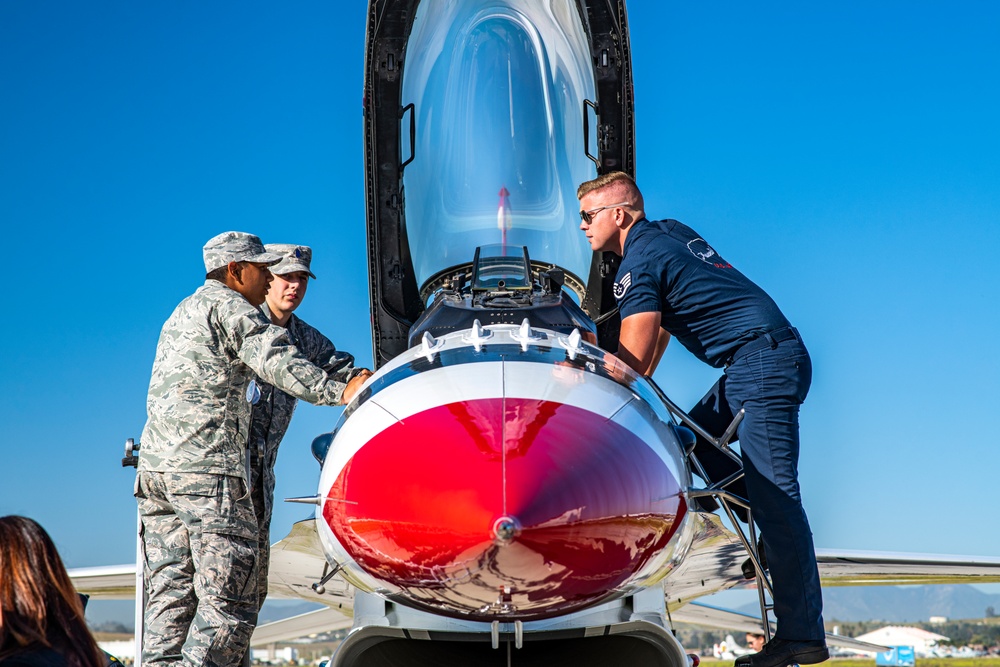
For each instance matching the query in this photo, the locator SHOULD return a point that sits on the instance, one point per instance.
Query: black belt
(763, 341)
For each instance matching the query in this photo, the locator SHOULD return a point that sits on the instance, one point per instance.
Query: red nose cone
(525, 508)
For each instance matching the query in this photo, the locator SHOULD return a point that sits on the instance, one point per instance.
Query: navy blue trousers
(769, 378)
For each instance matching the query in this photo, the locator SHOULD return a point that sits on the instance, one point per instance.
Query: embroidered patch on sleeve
(622, 285)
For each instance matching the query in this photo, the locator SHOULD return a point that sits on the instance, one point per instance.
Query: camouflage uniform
(198, 527)
(271, 417)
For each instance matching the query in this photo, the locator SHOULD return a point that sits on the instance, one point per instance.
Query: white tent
(121, 649)
(922, 641)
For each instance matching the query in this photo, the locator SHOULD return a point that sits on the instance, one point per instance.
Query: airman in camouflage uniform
(273, 412)
(198, 527)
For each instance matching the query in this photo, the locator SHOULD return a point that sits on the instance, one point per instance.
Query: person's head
(38, 605)
(240, 261)
(755, 641)
(291, 279)
(609, 205)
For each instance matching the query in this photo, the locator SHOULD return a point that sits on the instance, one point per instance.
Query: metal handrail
(726, 499)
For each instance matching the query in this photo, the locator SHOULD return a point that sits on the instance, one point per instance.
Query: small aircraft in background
(504, 490)
(728, 649)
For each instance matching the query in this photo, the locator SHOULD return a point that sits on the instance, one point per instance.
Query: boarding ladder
(718, 489)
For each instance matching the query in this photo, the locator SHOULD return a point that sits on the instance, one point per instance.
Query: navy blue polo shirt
(705, 303)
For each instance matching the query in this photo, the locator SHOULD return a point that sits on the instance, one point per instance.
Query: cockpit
(482, 118)
(495, 90)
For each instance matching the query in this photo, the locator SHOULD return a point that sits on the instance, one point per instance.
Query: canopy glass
(498, 90)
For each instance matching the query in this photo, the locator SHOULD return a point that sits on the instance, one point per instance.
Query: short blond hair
(619, 182)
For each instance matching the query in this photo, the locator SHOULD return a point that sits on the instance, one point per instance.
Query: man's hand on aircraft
(354, 384)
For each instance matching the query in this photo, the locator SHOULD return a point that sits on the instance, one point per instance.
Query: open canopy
(482, 117)
(497, 90)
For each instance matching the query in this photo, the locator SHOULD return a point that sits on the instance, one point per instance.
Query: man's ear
(235, 270)
(625, 221)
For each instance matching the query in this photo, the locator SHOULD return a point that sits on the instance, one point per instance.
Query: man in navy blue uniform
(671, 282)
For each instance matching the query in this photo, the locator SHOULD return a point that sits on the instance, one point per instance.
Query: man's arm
(339, 365)
(638, 342)
(661, 346)
(321, 351)
(268, 350)
(271, 354)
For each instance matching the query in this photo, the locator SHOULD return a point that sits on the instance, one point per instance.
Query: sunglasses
(588, 216)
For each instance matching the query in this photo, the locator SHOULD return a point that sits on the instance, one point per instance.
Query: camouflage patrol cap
(235, 247)
(293, 258)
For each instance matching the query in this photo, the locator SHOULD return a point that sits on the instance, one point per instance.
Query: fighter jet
(504, 490)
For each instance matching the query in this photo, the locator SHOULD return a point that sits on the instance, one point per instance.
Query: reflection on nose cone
(505, 529)
(554, 503)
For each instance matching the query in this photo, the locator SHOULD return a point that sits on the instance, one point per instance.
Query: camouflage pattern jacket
(273, 411)
(209, 349)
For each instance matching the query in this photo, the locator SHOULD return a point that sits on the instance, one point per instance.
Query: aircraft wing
(716, 556)
(698, 613)
(303, 625)
(297, 562)
(879, 568)
(714, 564)
(108, 582)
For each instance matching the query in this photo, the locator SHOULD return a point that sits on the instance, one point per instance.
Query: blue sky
(845, 157)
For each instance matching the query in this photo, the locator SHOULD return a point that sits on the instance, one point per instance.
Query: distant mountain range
(902, 604)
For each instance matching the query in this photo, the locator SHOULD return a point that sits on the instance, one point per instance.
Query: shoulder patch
(622, 285)
(700, 249)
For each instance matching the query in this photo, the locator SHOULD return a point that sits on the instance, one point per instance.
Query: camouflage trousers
(199, 540)
(263, 501)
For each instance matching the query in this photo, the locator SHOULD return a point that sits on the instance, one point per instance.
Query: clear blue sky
(845, 157)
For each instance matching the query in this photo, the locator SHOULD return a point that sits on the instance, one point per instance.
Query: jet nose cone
(556, 504)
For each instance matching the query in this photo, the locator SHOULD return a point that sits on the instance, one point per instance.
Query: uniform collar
(634, 231)
(292, 319)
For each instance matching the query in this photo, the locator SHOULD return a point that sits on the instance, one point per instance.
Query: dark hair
(39, 608)
(218, 274)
